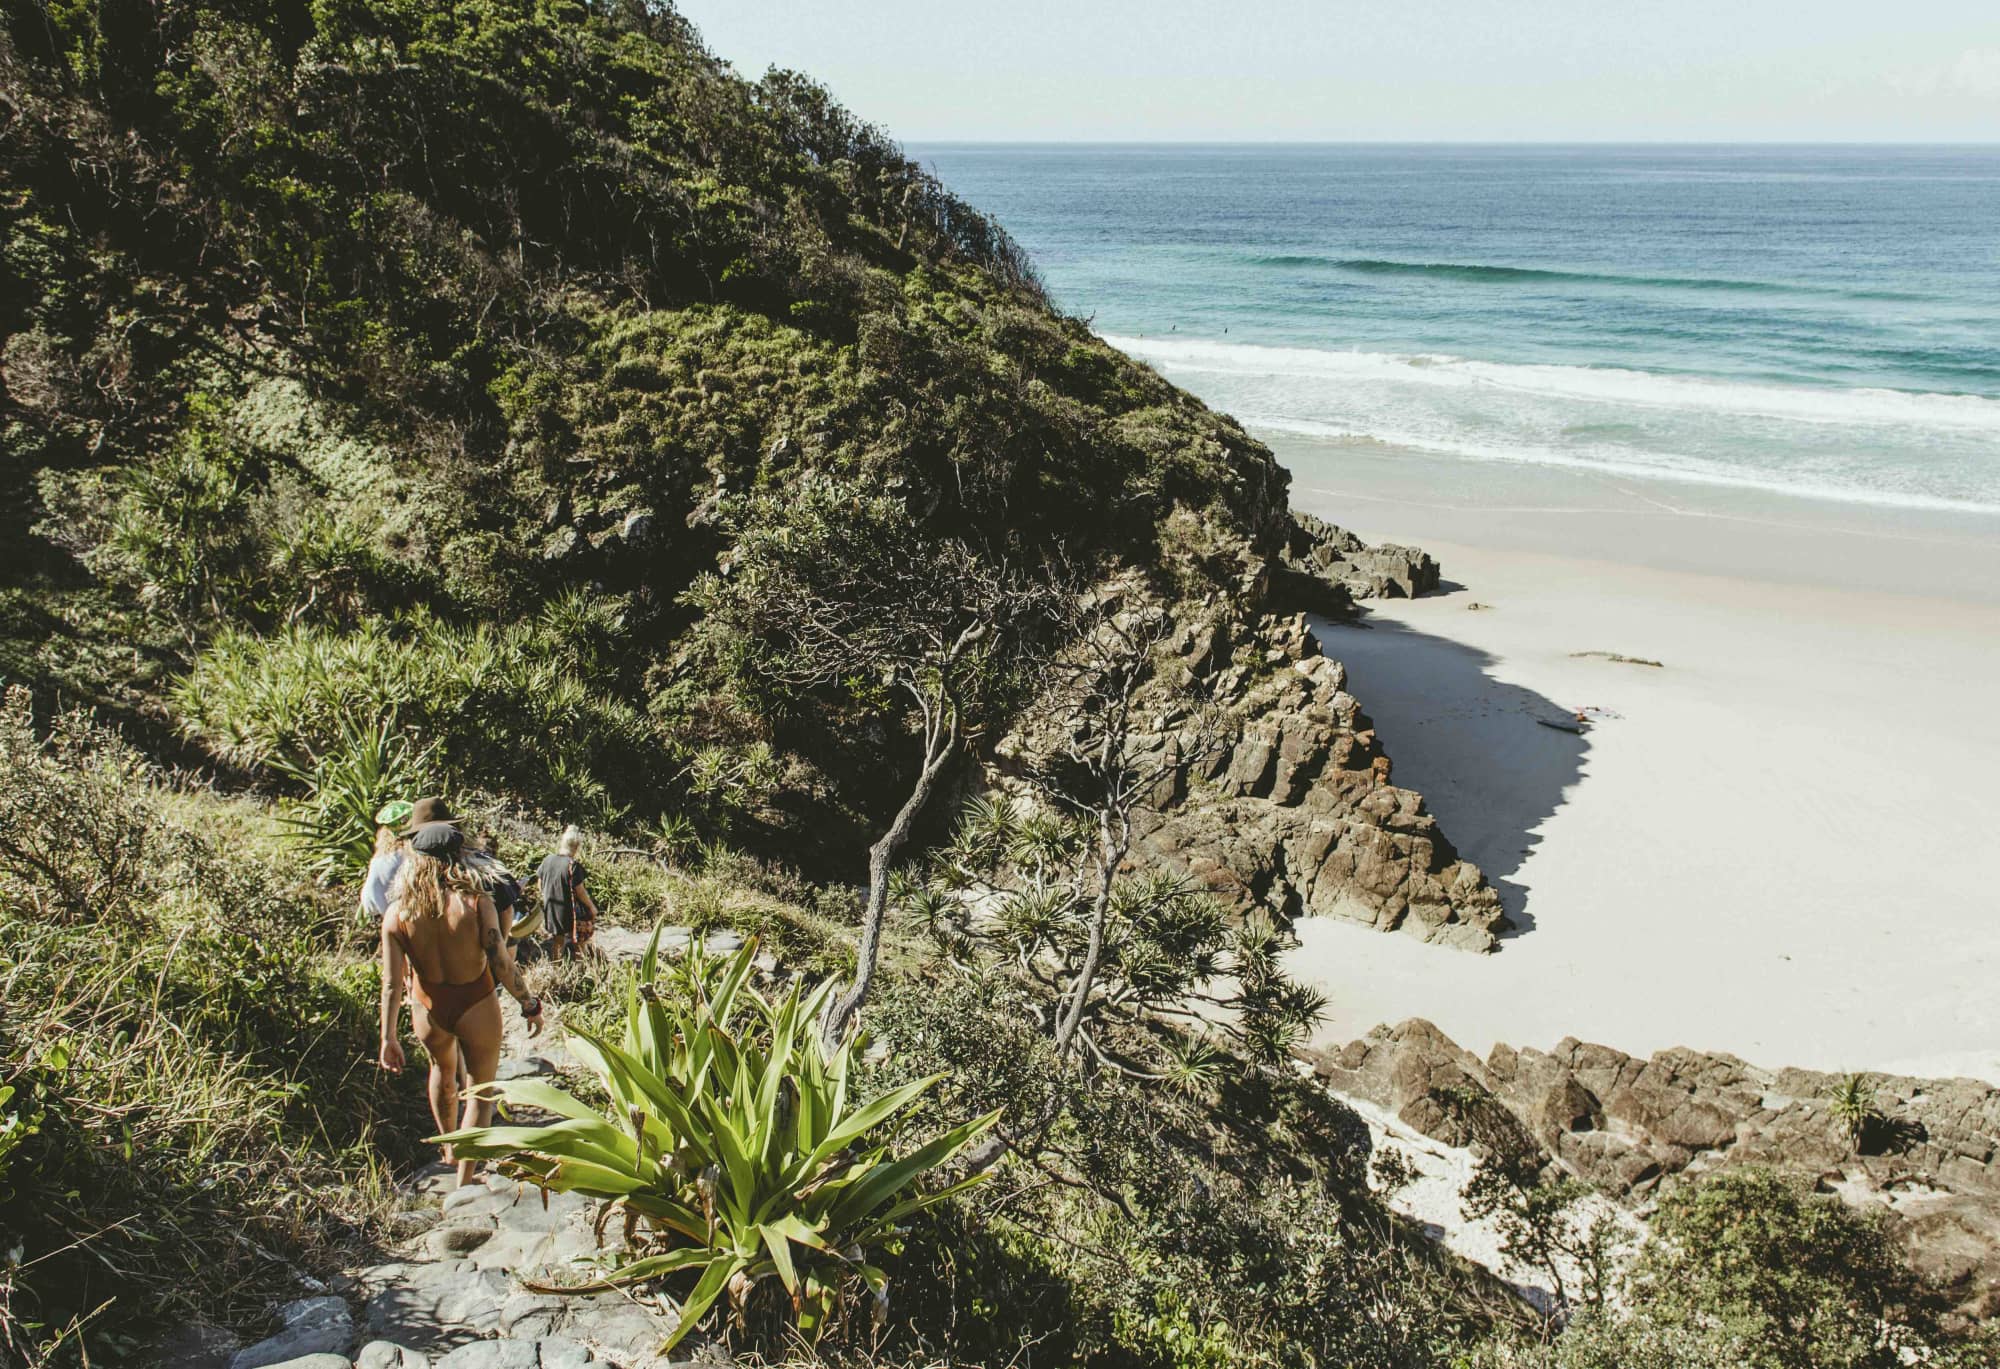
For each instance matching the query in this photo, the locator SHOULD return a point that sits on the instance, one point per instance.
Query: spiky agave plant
(730, 1145)
(1851, 1102)
(369, 764)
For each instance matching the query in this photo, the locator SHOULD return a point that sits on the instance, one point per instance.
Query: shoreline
(1779, 846)
(1734, 532)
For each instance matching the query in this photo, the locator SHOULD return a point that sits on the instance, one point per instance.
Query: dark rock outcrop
(1295, 811)
(1288, 805)
(1628, 1125)
(1318, 553)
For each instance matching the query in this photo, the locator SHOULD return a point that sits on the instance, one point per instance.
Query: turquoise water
(1820, 320)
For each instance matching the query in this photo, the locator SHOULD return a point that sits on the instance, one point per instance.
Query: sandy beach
(1783, 845)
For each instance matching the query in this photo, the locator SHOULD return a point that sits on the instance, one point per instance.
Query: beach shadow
(1474, 746)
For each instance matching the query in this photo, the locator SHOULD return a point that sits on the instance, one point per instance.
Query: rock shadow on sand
(1474, 746)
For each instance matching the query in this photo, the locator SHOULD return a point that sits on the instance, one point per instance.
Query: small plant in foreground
(730, 1140)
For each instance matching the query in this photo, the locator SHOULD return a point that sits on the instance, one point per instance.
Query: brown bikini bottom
(447, 1003)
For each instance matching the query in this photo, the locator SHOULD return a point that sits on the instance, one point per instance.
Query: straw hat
(525, 927)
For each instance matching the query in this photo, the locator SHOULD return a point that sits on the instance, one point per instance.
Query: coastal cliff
(1294, 810)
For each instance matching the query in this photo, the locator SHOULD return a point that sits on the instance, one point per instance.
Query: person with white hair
(567, 911)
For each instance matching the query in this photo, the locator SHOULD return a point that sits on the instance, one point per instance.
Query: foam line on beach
(1692, 472)
(1793, 403)
(1825, 444)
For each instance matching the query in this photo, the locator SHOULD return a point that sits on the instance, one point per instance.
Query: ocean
(1823, 321)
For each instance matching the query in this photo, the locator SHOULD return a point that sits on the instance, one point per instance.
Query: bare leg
(445, 1066)
(479, 1044)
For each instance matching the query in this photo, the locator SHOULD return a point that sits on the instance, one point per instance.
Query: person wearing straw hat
(442, 943)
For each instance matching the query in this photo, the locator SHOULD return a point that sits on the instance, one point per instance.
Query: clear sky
(1335, 70)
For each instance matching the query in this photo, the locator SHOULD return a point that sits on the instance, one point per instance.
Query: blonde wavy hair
(424, 883)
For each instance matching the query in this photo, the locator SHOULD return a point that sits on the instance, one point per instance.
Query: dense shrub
(1751, 1268)
(367, 311)
(513, 709)
(1754, 1266)
(346, 785)
(76, 830)
(1148, 1227)
(1011, 892)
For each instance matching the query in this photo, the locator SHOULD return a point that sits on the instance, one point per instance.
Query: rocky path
(453, 1296)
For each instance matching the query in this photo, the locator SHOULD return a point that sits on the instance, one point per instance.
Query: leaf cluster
(730, 1140)
(1012, 890)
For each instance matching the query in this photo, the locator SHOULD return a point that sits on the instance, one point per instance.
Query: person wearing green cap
(388, 857)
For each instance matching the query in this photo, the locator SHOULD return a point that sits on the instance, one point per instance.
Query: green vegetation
(731, 1138)
(508, 397)
(829, 591)
(472, 340)
(186, 1053)
(175, 1142)
(1852, 1103)
(1748, 1267)
(1158, 949)
(1226, 1221)
(346, 786)
(1548, 1224)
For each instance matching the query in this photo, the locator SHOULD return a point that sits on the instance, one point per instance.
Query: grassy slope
(318, 316)
(188, 1038)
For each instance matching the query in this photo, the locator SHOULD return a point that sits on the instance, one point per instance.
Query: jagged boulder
(1289, 805)
(1317, 552)
(1294, 810)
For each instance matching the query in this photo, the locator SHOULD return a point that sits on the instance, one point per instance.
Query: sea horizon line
(1956, 145)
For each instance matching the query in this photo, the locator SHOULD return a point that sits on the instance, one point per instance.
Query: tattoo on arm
(502, 964)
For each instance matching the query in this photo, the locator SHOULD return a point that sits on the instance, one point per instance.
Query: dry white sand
(1787, 846)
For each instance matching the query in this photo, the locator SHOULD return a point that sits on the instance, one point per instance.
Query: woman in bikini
(443, 935)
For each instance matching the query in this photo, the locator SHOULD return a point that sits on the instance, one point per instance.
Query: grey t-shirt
(560, 877)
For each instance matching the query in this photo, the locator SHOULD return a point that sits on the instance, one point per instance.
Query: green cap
(394, 813)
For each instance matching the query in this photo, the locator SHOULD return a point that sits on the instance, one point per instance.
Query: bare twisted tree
(1123, 730)
(832, 588)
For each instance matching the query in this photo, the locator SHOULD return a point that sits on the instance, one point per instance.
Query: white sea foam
(1796, 403)
(1917, 450)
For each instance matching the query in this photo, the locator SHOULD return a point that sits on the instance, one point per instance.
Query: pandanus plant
(730, 1146)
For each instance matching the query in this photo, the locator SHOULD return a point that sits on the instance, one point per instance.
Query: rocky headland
(1285, 802)
(1321, 554)
(1929, 1151)
(1294, 809)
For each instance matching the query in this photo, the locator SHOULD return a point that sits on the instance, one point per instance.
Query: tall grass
(193, 1122)
(513, 709)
